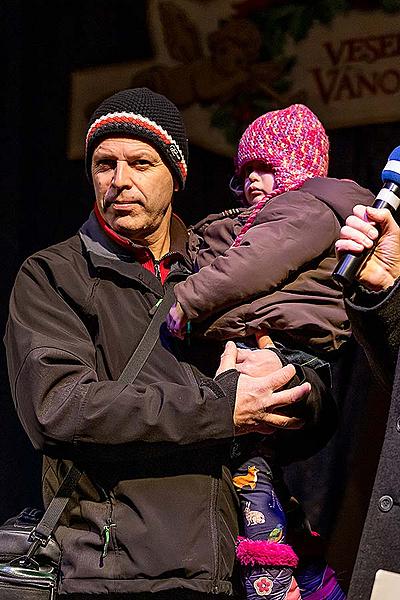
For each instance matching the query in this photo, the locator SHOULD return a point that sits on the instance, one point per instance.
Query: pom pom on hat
(143, 114)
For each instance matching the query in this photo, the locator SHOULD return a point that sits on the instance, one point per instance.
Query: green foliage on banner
(391, 5)
(276, 24)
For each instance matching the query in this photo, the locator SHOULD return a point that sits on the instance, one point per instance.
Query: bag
(31, 577)
(29, 555)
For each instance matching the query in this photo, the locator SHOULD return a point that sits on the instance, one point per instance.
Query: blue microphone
(389, 197)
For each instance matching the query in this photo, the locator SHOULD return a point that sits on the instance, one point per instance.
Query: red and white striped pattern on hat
(125, 118)
(293, 142)
(151, 117)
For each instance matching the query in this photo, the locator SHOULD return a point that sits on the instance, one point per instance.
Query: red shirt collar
(144, 256)
(119, 239)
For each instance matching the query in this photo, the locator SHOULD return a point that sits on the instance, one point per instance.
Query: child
(264, 271)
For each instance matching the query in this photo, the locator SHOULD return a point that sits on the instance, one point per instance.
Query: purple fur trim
(265, 552)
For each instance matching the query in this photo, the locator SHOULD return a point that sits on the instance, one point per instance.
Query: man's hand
(176, 321)
(257, 363)
(258, 399)
(382, 267)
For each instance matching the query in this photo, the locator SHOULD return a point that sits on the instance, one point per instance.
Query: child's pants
(270, 566)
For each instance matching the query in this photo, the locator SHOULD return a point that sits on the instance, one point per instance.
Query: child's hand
(264, 340)
(176, 321)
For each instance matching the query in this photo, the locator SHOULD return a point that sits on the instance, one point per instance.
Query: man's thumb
(228, 358)
(381, 215)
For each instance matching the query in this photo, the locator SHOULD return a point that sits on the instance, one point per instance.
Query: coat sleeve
(375, 320)
(318, 409)
(59, 398)
(320, 412)
(296, 228)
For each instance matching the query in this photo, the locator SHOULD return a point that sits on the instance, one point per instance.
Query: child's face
(258, 181)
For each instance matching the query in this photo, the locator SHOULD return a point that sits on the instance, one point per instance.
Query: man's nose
(122, 175)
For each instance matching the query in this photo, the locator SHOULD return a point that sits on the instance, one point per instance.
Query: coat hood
(338, 194)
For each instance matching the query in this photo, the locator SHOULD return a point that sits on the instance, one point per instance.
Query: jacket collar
(104, 253)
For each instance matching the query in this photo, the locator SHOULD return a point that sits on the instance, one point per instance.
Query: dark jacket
(279, 277)
(375, 318)
(155, 453)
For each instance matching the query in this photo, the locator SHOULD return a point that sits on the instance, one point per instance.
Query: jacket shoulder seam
(44, 348)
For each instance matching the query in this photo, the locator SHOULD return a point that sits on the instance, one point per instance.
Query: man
(155, 511)
(373, 306)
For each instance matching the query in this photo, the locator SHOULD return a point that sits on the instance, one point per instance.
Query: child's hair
(293, 142)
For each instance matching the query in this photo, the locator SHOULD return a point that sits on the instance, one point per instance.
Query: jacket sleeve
(321, 420)
(375, 320)
(296, 229)
(59, 398)
(318, 410)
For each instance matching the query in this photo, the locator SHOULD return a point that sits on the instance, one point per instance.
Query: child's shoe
(267, 569)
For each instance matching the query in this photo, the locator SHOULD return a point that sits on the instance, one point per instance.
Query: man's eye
(105, 164)
(142, 163)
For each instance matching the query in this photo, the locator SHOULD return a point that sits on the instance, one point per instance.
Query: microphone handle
(347, 268)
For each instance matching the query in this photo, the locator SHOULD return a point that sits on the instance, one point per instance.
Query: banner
(225, 62)
(350, 71)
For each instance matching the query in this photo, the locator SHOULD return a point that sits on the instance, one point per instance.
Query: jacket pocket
(224, 525)
(171, 528)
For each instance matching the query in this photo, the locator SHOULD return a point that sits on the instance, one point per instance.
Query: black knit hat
(145, 115)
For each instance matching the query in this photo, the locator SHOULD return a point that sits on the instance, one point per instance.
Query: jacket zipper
(189, 371)
(156, 263)
(181, 356)
(157, 271)
(214, 535)
(106, 532)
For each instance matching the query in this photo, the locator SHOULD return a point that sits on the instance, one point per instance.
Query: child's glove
(176, 321)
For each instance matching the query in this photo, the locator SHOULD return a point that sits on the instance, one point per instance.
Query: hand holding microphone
(369, 230)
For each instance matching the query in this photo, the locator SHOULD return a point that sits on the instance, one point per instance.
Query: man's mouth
(122, 204)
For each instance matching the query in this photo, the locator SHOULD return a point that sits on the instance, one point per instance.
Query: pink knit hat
(293, 142)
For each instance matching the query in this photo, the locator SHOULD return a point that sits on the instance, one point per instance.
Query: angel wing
(180, 34)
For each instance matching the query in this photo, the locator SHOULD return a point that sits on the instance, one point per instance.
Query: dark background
(46, 197)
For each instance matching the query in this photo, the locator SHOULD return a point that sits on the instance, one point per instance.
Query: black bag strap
(148, 341)
(47, 523)
(44, 529)
(40, 536)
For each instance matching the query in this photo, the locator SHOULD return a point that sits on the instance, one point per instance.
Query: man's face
(133, 186)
